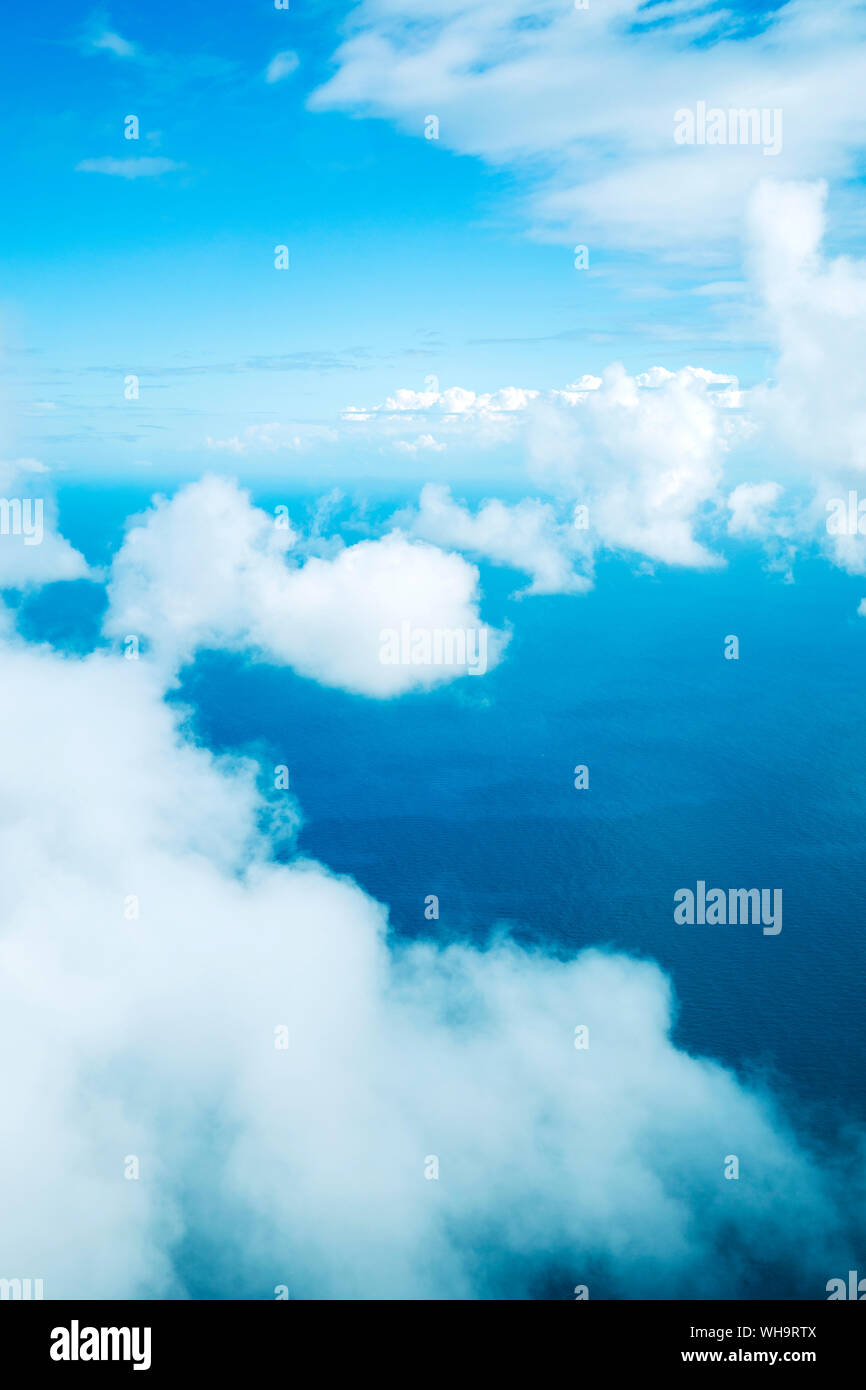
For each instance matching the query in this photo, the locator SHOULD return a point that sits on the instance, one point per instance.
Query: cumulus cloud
(750, 505)
(722, 388)
(639, 458)
(759, 513)
(456, 400)
(483, 419)
(648, 454)
(32, 552)
(487, 420)
(207, 569)
(646, 458)
(155, 957)
(815, 309)
(525, 535)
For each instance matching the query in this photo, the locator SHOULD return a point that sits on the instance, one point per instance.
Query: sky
(410, 258)
(478, 319)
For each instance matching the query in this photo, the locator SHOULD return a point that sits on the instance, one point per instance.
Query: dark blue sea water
(743, 773)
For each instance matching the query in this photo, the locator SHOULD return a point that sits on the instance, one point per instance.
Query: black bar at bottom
(218, 1339)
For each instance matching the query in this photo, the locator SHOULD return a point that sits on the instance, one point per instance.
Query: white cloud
(154, 1037)
(32, 552)
(274, 437)
(582, 104)
(576, 391)
(282, 65)
(456, 400)
(750, 505)
(816, 312)
(646, 460)
(526, 535)
(483, 419)
(425, 443)
(729, 396)
(487, 420)
(757, 512)
(812, 415)
(643, 454)
(208, 569)
(144, 167)
(110, 42)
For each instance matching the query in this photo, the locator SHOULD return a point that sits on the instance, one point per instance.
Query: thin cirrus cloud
(583, 105)
(273, 438)
(282, 65)
(144, 167)
(108, 41)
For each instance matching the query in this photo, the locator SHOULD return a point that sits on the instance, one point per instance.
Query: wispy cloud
(282, 65)
(114, 43)
(269, 438)
(100, 36)
(144, 168)
(606, 167)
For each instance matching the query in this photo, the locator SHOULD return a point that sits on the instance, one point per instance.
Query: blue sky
(433, 325)
(409, 257)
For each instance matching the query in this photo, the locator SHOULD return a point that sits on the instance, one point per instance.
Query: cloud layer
(154, 959)
(207, 569)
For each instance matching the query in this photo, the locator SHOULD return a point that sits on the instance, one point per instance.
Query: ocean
(742, 773)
